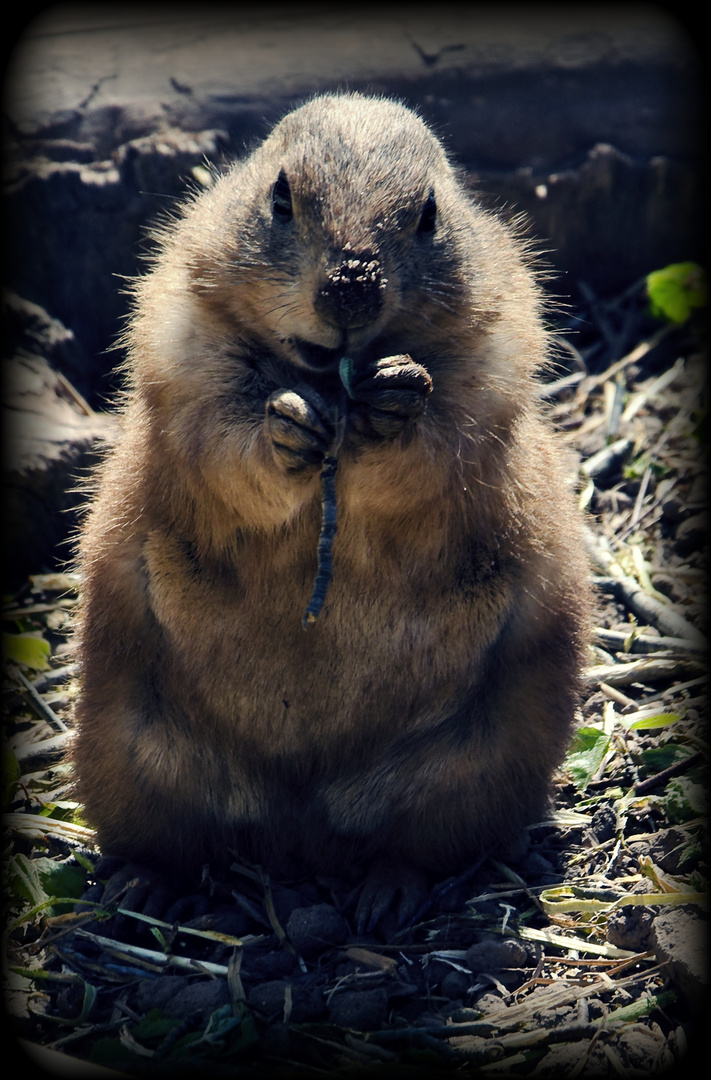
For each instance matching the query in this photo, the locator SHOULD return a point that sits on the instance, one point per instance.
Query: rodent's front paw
(386, 396)
(301, 428)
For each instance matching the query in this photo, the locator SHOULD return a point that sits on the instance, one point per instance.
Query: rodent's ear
(281, 198)
(428, 218)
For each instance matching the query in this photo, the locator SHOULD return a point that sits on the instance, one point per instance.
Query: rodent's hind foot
(386, 396)
(389, 897)
(133, 886)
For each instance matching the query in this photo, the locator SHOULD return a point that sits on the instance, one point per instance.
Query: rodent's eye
(281, 198)
(428, 218)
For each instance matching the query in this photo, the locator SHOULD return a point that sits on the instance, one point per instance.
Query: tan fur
(420, 718)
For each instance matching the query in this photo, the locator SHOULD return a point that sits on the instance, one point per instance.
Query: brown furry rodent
(420, 718)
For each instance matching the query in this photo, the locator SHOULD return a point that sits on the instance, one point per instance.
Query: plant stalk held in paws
(329, 512)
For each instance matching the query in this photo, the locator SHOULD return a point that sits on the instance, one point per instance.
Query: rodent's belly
(370, 668)
(338, 735)
(336, 731)
(290, 691)
(339, 723)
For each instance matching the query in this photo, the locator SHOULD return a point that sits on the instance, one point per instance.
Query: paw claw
(390, 890)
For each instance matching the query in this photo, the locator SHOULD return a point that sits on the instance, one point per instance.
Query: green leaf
(62, 879)
(27, 649)
(657, 758)
(90, 995)
(220, 1027)
(659, 720)
(88, 1001)
(37, 975)
(24, 879)
(111, 1053)
(160, 938)
(684, 800)
(59, 811)
(634, 470)
(153, 1026)
(641, 1008)
(676, 290)
(84, 861)
(586, 755)
(45, 882)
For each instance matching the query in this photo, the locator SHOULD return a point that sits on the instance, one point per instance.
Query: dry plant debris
(585, 959)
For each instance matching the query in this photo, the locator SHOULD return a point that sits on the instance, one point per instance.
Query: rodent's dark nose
(352, 293)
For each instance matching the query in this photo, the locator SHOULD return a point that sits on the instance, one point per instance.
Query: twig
(137, 954)
(606, 459)
(655, 612)
(57, 675)
(640, 398)
(617, 695)
(644, 484)
(72, 392)
(643, 515)
(632, 594)
(592, 382)
(645, 643)
(647, 669)
(40, 706)
(34, 827)
(234, 979)
(272, 915)
(679, 767)
(614, 409)
(559, 386)
(42, 755)
(208, 935)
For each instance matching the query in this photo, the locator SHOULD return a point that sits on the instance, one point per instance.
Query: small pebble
(362, 1010)
(311, 929)
(205, 996)
(670, 848)
(266, 967)
(455, 985)
(154, 993)
(604, 823)
(306, 1000)
(495, 954)
(629, 927)
(691, 534)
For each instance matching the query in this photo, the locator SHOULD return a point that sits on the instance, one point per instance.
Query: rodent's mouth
(318, 357)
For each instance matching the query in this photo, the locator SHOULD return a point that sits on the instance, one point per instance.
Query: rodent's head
(337, 233)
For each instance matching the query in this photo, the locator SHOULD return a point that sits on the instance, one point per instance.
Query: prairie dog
(419, 720)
